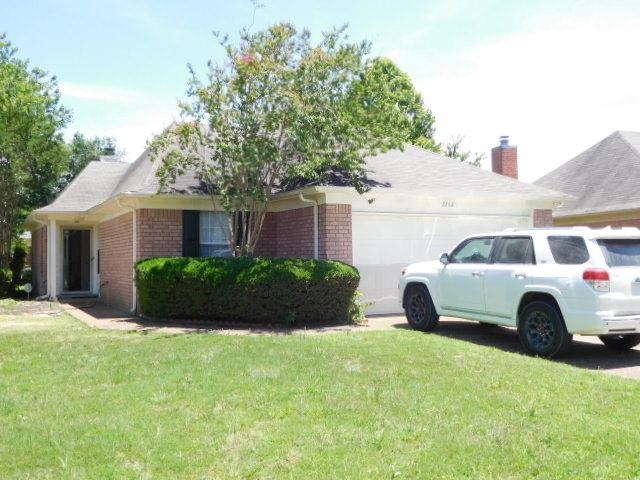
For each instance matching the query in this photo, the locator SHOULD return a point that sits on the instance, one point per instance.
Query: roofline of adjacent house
(609, 210)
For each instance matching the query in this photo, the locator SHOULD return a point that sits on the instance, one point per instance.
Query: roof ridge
(132, 167)
(626, 140)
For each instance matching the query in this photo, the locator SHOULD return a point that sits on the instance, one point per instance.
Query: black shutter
(190, 233)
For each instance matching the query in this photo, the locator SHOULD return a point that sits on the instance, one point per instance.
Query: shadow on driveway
(586, 352)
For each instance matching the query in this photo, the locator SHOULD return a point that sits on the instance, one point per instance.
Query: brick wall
(290, 233)
(334, 232)
(268, 241)
(116, 261)
(542, 218)
(295, 233)
(39, 261)
(159, 233)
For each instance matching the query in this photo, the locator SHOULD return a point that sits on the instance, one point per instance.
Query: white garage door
(385, 243)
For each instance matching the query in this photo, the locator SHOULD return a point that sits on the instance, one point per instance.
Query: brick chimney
(504, 158)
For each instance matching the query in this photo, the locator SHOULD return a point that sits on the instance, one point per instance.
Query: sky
(556, 76)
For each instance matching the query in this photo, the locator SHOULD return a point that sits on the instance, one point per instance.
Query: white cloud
(555, 91)
(101, 93)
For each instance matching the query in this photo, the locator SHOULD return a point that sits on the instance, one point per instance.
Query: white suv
(549, 283)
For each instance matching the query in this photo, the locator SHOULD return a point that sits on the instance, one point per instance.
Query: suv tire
(620, 342)
(542, 330)
(419, 309)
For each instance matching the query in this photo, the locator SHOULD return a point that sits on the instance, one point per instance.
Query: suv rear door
(513, 262)
(462, 280)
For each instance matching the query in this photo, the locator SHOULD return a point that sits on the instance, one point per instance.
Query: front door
(76, 273)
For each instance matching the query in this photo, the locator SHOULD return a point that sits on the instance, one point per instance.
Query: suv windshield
(621, 252)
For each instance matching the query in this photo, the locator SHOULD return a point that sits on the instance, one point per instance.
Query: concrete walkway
(587, 352)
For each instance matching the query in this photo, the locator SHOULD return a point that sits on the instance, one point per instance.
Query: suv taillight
(597, 278)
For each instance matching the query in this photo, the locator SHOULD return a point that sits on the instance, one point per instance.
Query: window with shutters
(205, 234)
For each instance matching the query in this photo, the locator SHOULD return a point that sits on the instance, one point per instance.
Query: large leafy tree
(32, 151)
(281, 108)
(82, 150)
(385, 99)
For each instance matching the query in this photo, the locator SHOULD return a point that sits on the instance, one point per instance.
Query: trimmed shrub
(246, 289)
(5, 282)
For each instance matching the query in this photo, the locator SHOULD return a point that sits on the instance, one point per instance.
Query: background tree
(385, 99)
(83, 150)
(281, 108)
(454, 150)
(32, 151)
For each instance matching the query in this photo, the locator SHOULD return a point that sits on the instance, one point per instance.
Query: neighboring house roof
(603, 178)
(414, 170)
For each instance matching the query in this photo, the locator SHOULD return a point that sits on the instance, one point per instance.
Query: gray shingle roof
(605, 177)
(417, 169)
(414, 169)
(91, 187)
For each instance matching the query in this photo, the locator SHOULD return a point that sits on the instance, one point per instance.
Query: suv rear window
(567, 250)
(621, 252)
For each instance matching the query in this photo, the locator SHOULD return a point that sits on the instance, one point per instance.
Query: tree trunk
(8, 211)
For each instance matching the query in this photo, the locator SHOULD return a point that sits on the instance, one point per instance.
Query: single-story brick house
(87, 240)
(604, 182)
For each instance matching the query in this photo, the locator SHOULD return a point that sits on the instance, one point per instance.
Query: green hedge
(246, 289)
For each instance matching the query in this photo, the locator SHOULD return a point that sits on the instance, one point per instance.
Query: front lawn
(83, 403)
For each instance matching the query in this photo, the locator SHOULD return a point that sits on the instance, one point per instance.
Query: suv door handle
(520, 275)
(477, 273)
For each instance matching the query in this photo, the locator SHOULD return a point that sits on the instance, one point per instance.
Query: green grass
(82, 403)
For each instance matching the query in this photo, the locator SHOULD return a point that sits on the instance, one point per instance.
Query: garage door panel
(385, 243)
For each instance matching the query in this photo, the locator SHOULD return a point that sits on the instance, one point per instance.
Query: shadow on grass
(586, 352)
(101, 316)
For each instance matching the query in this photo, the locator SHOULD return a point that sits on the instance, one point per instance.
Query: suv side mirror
(444, 258)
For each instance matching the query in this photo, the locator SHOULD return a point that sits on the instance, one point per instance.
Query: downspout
(315, 223)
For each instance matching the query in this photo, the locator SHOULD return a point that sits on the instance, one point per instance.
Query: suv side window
(516, 250)
(474, 250)
(568, 250)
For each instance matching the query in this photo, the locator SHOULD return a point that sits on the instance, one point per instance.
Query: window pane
(215, 251)
(475, 250)
(623, 252)
(516, 250)
(214, 235)
(568, 250)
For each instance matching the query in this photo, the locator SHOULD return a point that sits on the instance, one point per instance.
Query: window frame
(582, 239)
(464, 243)
(502, 245)
(224, 223)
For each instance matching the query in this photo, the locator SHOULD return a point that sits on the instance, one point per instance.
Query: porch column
(52, 260)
